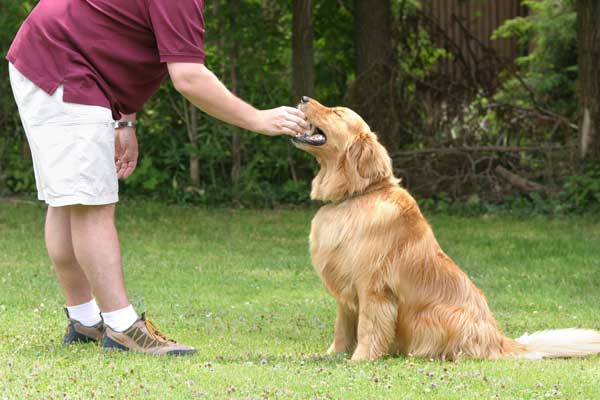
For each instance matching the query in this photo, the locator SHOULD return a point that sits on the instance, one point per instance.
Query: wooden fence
(465, 27)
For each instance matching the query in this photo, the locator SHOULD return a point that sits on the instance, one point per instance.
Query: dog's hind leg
(345, 329)
(376, 326)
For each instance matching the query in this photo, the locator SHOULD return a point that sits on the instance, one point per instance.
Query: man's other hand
(126, 151)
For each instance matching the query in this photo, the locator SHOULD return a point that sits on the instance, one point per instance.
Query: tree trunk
(373, 35)
(588, 42)
(236, 152)
(193, 136)
(302, 50)
(189, 114)
(372, 94)
(523, 184)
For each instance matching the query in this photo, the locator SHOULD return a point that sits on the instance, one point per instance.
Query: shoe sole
(109, 344)
(77, 338)
(177, 353)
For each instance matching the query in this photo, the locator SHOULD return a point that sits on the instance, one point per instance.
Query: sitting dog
(397, 292)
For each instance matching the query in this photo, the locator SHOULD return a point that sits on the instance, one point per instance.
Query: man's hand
(126, 151)
(282, 121)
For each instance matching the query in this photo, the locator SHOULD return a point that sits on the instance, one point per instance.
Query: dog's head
(350, 156)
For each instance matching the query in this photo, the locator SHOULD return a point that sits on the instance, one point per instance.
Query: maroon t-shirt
(109, 53)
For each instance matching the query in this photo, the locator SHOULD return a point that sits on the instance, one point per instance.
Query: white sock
(120, 320)
(87, 313)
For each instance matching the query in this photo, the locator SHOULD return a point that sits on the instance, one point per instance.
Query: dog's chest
(331, 228)
(333, 234)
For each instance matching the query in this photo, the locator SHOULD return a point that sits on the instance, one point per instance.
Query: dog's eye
(339, 114)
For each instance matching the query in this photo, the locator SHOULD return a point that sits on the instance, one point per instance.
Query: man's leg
(84, 238)
(72, 279)
(84, 314)
(96, 247)
(83, 245)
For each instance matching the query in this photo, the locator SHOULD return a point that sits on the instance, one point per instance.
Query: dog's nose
(305, 99)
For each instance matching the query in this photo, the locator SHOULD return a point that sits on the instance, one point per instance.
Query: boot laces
(156, 333)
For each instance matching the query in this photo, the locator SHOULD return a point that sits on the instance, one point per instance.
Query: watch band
(125, 124)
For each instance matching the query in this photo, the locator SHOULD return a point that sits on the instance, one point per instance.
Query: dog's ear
(367, 161)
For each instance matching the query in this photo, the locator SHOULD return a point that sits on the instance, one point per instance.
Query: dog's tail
(559, 343)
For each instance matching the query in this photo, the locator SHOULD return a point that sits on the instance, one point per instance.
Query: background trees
(588, 39)
(15, 166)
(302, 50)
(373, 93)
(465, 117)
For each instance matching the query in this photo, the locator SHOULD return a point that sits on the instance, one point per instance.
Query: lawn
(238, 285)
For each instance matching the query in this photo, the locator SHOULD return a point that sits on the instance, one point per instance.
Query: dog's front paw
(355, 360)
(364, 355)
(339, 348)
(359, 356)
(333, 349)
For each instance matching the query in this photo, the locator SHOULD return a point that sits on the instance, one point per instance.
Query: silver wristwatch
(125, 124)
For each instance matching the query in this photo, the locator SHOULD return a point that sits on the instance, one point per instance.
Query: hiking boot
(79, 333)
(143, 337)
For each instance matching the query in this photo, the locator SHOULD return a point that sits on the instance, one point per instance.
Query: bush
(582, 191)
(548, 36)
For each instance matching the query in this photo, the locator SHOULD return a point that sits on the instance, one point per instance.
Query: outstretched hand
(282, 121)
(126, 152)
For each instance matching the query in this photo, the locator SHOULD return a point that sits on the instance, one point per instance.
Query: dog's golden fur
(396, 290)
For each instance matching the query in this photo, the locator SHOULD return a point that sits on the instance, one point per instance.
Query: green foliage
(581, 195)
(147, 176)
(248, 46)
(334, 50)
(19, 176)
(263, 78)
(273, 171)
(16, 171)
(582, 192)
(417, 54)
(548, 37)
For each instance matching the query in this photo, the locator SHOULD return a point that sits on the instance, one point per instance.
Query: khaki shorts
(72, 146)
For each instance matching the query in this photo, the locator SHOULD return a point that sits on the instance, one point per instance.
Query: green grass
(239, 286)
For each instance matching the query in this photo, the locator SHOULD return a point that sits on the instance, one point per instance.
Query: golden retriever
(397, 292)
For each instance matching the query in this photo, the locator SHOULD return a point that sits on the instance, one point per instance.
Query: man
(75, 67)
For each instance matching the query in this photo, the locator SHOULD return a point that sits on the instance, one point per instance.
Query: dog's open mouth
(315, 137)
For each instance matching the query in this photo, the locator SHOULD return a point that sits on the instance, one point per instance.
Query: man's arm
(203, 89)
